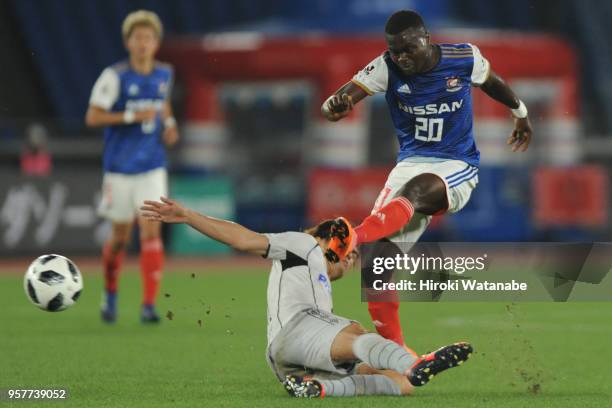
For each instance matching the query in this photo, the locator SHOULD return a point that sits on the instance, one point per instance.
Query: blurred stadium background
(250, 77)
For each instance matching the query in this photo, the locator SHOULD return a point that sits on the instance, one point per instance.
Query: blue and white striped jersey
(138, 147)
(431, 111)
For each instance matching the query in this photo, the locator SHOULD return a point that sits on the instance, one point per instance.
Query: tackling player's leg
(374, 382)
(354, 343)
(388, 368)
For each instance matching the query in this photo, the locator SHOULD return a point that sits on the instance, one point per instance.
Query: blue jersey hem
(140, 170)
(406, 155)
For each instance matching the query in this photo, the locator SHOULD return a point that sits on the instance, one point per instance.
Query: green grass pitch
(211, 353)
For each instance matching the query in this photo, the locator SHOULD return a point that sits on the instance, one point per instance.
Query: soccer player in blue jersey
(428, 88)
(130, 100)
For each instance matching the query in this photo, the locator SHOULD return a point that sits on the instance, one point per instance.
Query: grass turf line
(212, 351)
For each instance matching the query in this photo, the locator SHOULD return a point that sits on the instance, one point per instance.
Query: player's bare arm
(170, 134)
(499, 90)
(99, 117)
(341, 103)
(227, 232)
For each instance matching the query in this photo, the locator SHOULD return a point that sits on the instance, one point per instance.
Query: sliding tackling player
(311, 350)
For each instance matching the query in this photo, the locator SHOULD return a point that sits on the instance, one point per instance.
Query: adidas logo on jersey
(404, 89)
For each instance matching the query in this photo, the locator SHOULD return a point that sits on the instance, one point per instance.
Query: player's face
(142, 43)
(409, 50)
(337, 270)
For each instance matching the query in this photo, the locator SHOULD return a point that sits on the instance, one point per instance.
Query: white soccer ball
(53, 282)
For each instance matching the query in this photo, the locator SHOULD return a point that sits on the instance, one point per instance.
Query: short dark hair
(322, 230)
(403, 20)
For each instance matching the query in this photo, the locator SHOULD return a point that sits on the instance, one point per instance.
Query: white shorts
(124, 194)
(460, 179)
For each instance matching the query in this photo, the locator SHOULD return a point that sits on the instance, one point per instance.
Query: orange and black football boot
(426, 367)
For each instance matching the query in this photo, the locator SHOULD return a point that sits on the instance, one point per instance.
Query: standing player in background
(428, 89)
(131, 100)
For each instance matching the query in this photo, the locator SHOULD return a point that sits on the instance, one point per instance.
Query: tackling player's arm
(499, 90)
(227, 232)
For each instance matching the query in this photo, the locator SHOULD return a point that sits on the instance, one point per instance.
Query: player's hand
(338, 107)
(167, 210)
(147, 115)
(170, 136)
(521, 135)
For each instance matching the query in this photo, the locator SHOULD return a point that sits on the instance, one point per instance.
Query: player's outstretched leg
(112, 258)
(349, 386)
(426, 367)
(301, 387)
(151, 264)
(380, 353)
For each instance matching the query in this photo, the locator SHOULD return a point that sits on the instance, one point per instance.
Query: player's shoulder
(119, 67)
(457, 50)
(299, 243)
(297, 237)
(164, 67)
(461, 46)
(375, 64)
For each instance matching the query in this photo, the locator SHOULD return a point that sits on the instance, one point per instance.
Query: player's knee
(148, 235)
(342, 346)
(149, 230)
(119, 240)
(358, 329)
(423, 187)
(118, 244)
(427, 193)
(354, 330)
